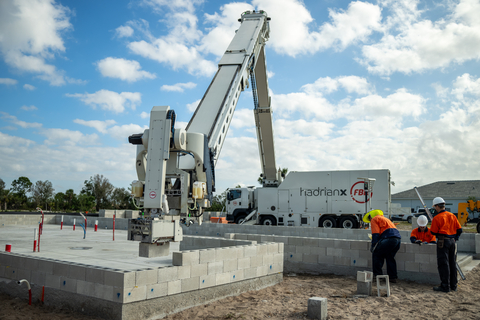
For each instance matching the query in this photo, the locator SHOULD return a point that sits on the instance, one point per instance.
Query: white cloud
(182, 5)
(29, 108)
(415, 45)
(289, 128)
(466, 84)
(124, 32)
(144, 115)
(193, 106)
(124, 131)
(127, 70)
(292, 36)
(19, 123)
(352, 84)
(8, 81)
(55, 136)
(100, 126)
(177, 55)
(30, 33)
(243, 118)
(27, 86)
(109, 100)
(178, 87)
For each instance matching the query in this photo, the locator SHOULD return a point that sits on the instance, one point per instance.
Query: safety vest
(383, 228)
(445, 223)
(424, 236)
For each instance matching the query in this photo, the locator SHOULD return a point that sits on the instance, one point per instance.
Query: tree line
(97, 193)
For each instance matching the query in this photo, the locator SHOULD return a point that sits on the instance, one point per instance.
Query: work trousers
(385, 251)
(446, 262)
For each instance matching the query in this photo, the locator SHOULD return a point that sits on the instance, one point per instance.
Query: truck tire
(348, 223)
(327, 222)
(240, 218)
(478, 227)
(268, 221)
(409, 219)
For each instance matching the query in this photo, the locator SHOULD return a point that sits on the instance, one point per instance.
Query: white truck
(316, 199)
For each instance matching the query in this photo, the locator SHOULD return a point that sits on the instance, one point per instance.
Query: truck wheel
(327, 222)
(240, 218)
(268, 221)
(478, 227)
(348, 223)
(409, 219)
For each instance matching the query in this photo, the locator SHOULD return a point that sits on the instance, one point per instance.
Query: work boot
(454, 289)
(441, 289)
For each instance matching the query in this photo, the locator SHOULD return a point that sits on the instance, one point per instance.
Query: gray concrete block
(186, 258)
(240, 252)
(310, 242)
(174, 287)
(317, 308)
(45, 266)
(336, 252)
(477, 243)
(250, 251)
(302, 250)
(60, 269)
(262, 271)
(281, 239)
(223, 254)
(320, 251)
(412, 266)
(351, 253)
(67, 284)
(262, 249)
(147, 250)
(230, 265)
(118, 278)
(359, 262)
(428, 268)
(244, 263)
(295, 241)
(103, 292)
(215, 267)
(190, 284)
(37, 278)
(206, 256)
(85, 288)
(250, 273)
(76, 272)
(422, 258)
(96, 275)
(268, 259)
(290, 249)
(342, 261)
(360, 245)
(295, 257)
(222, 278)
(184, 272)
(281, 247)
(207, 281)
(199, 270)
(364, 287)
(52, 281)
(310, 258)
(144, 277)
(157, 290)
(256, 261)
(342, 244)
(167, 274)
(133, 294)
(364, 276)
(237, 275)
(326, 259)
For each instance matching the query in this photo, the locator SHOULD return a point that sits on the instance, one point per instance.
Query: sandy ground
(289, 300)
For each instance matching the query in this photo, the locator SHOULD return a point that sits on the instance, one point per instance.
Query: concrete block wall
(466, 243)
(196, 243)
(103, 223)
(191, 270)
(346, 257)
(25, 219)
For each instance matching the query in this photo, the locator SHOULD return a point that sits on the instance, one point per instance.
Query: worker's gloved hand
(425, 242)
(418, 242)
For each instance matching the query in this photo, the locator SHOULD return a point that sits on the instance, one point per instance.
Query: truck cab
(240, 203)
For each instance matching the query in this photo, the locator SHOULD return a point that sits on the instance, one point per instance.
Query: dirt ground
(289, 300)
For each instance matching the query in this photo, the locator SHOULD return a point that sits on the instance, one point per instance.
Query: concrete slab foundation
(100, 276)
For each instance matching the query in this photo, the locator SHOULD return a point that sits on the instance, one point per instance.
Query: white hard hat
(437, 200)
(422, 221)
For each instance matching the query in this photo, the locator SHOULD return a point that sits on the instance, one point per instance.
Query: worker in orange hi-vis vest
(385, 243)
(447, 229)
(422, 234)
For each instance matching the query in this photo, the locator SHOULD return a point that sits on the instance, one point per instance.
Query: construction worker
(385, 243)
(422, 234)
(446, 227)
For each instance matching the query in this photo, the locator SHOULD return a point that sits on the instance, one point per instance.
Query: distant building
(453, 192)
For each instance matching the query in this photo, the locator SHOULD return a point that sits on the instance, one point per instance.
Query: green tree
(99, 187)
(42, 191)
(120, 198)
(3, 192)
(60, 203)
(70, 199)
(20, 188)
(218, 202)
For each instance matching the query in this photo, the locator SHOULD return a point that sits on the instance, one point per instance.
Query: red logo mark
(152, 195)
(358, 193)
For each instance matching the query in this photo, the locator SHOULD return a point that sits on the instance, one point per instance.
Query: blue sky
(354, 85)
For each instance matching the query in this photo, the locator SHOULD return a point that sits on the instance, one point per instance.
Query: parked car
(421, 211)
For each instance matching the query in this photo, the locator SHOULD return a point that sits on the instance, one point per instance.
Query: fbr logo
(358, 193)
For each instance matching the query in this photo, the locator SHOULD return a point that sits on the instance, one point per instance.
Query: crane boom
(175, 167)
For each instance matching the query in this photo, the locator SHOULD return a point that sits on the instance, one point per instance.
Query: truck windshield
(234, 194)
